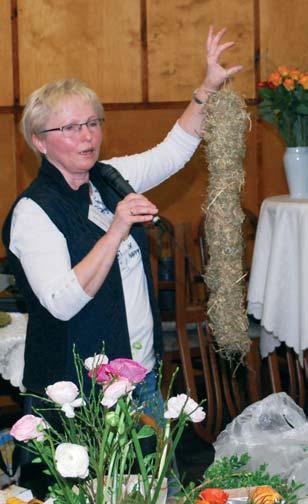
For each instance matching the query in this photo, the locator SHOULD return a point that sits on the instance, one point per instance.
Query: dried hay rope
(224, 127)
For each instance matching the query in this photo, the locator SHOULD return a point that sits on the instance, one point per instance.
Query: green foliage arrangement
(230, 472)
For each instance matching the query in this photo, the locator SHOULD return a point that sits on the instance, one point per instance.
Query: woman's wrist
(201, 94)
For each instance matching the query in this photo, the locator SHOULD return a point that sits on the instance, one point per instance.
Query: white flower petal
(68, 410)
(78, 402)
(92, 362)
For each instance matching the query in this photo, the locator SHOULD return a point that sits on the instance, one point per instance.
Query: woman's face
(72, 155)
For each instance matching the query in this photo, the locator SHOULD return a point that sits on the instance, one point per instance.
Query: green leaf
(134, 498)
(37, 460)
(145, 432)
(266, 93)
(302, 109)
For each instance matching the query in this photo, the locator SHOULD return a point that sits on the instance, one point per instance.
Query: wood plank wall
(144, 58)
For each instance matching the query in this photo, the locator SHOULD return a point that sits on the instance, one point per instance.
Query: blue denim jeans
(147, 394)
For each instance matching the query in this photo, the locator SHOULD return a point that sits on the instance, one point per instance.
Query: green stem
(165, 449)
(100, 468)
(124, 456)
(115, 488)
(109, 476)
(168, 461)
(138, 452)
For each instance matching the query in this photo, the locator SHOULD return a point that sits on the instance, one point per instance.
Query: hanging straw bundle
(224, 127)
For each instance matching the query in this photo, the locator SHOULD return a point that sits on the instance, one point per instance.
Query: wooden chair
(286, 373)
(166, 287)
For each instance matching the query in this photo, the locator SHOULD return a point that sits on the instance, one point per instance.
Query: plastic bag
(273, 431)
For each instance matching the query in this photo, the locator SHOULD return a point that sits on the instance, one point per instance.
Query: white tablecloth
(278, 285)
(12, 349)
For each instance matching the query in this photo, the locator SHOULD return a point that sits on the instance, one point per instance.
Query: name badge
(100, 219)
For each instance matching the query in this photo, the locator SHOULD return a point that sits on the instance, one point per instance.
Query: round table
(278, 284)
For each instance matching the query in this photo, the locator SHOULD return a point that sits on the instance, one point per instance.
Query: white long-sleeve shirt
(43, 253)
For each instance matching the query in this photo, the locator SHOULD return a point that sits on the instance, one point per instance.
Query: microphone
(114, 179)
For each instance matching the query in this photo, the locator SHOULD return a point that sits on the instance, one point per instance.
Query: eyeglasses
(71, 130)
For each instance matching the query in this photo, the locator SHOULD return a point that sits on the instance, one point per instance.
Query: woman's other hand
(133, 209)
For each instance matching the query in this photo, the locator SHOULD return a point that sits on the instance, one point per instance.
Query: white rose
(72, 460)
(92, 362)
(114, 390)
(183, 403)
(62, 392)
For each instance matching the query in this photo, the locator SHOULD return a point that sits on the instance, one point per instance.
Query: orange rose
(265, 495)
(288, 84)
(295, 74)
(213, 496)
(275, 79)
(303, 81)
(283, 70)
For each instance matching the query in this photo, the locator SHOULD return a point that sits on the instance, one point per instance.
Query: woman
(78, 251)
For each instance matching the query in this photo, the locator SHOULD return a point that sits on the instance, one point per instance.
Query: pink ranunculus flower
(28, 427)
(65, 393)
(72, 460)
(184, 404)
(121, 368)
(114, 390)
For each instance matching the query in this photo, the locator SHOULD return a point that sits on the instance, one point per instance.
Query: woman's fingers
(136, 208)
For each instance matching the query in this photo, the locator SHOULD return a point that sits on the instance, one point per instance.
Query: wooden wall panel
(6, 74)
(28, 164)
(8, 170)
(251, 190)
(177, 32)
(283, 34)
(98, 41)
(272, 176)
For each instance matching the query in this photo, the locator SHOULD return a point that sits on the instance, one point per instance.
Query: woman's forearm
(92, 270)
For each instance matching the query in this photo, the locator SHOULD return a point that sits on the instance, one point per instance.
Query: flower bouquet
(284, 104)
(93, 455)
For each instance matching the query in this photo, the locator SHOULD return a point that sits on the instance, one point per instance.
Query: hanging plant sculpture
(224, 127)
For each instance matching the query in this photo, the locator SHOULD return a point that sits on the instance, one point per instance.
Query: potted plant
(284, 104)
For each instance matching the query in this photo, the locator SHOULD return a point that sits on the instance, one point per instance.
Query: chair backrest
(286, 373)
(161, 242)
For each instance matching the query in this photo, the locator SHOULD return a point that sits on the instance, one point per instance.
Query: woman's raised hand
(216, 74)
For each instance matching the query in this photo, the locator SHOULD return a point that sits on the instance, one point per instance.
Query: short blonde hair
(44, 100)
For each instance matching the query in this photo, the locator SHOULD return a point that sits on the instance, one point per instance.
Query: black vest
(49, 342)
